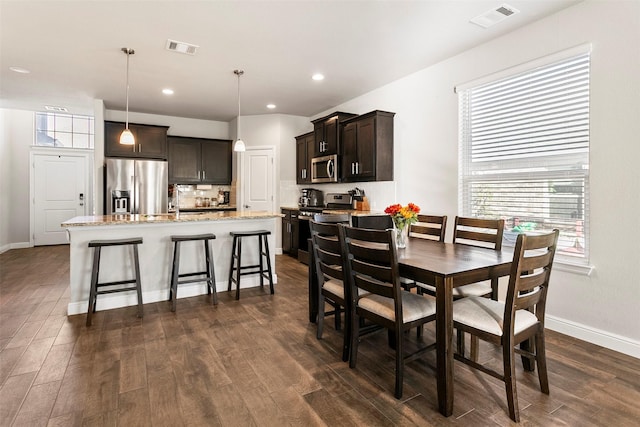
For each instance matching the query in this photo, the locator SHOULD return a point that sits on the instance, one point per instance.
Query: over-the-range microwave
(324, 169)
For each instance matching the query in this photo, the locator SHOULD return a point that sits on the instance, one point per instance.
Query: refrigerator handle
(136, 200)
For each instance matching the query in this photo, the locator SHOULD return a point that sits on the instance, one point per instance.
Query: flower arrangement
(403, 215)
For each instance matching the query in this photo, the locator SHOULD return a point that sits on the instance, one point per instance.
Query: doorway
(60, 190)
(258, 175)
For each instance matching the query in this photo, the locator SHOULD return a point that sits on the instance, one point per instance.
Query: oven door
(324, 169)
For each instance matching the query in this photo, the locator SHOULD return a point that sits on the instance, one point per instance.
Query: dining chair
(519, 318)
(329, 267)
(480, 232)
(374, 281)
(332, 218)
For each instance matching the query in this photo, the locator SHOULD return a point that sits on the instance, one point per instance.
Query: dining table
(445, 266)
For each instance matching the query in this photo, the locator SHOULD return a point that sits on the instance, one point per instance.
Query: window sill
(583, 270)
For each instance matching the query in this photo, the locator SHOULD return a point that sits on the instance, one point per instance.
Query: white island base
(156, 253)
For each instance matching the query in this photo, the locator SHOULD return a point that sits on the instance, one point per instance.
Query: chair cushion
(335, 287)
(472, 290)
(487, 315)
(413, 306)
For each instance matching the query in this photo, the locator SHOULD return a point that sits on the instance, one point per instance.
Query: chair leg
(399, 363)
(211, 280)
(233, 256)
(238, 270)
(355, 337)
(270, 272)
(473, 352)
(460, 341)
(320, 321)
(337, 317)
(175, 270)
(261, 263)
(94, 284)
(347, 335)
(510, 381)
(541, 361)
(138, 283)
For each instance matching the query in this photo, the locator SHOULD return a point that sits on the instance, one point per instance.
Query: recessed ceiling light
(19, 70)
(271, 106)
(317, 77)
(167, 91)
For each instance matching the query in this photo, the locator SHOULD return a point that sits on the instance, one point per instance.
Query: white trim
(9, 246)
(582, 270)
(594, 336)
(526, 66)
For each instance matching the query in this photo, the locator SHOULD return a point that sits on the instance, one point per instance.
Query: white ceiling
(73, 50)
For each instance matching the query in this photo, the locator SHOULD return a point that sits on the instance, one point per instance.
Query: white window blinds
(524, 152)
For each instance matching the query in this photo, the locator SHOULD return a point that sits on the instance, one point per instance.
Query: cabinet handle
(139, 148)
(353, 171)
(357, 168)
(204, 175)
(199, 175)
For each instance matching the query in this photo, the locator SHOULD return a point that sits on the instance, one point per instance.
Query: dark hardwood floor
(257, 362)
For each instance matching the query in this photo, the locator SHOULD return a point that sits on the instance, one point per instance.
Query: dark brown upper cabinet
(367, 147)
(327, 133)
(151, 141)
(199, 160)
(304, 154)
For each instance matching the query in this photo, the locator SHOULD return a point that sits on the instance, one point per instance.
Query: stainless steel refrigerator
(135, 186)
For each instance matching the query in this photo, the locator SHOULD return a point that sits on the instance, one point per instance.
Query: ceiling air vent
(493, 16)
(56, 109)
(181, 47)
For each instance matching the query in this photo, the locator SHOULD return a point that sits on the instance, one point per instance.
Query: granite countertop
(124, 219)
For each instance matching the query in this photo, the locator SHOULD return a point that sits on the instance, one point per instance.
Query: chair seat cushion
(487, 315)
(413, 306)
(473, 290)
(335, 287)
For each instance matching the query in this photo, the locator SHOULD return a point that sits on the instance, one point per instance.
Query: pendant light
(239, 144)
(126, 137)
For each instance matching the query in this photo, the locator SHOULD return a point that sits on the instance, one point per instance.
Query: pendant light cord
(127, 117)
(238, 73)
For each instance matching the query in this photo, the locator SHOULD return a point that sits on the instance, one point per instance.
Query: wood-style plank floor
(256, 362)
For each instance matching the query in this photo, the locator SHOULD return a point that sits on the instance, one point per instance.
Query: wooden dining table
(445, 266)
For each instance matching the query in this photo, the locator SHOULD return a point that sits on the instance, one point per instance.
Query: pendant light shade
(239, 144)
(126, 137)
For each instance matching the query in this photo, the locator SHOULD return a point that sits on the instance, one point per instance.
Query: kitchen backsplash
(189, 195)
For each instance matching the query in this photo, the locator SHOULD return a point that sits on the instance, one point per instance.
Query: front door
(257, 179)
(60, 192)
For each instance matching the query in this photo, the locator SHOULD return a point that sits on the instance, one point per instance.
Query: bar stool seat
(262, 268)
(207, 275)
(95, 272)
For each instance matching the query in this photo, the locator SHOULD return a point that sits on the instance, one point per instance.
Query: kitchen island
(156, 252)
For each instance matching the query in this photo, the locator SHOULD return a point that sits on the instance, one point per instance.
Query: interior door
(60, 192)
(257, 180)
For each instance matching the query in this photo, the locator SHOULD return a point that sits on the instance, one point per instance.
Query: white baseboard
(111, 301)
(19, 245)
(4, 248)
(594, 336)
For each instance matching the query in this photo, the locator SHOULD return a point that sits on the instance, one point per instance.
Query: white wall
(602, 308)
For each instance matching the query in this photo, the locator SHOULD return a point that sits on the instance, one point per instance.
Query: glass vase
(401, 237)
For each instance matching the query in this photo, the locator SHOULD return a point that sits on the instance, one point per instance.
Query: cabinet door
(330, 136)
(318, 136)
(151, 141)
(184, 161)
(349, 151)
(112, 146)
(304, 154)
(366, 138)
(216, 162)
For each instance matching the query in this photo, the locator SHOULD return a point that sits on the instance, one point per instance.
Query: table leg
(444, 348)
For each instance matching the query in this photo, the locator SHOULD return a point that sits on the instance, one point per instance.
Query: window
(524, 153)
(64, 130)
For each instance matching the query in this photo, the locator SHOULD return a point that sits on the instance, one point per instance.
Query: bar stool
(94, 292)
(209, 274)
(236, 260)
